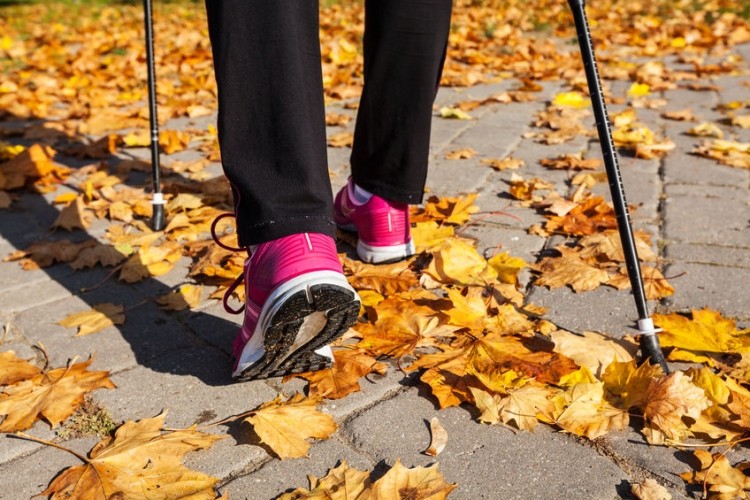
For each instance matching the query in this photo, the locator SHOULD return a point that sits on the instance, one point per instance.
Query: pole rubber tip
(158, 221)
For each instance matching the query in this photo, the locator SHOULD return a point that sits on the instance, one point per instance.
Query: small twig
(106, 278)
(40, 347)
(22, 435)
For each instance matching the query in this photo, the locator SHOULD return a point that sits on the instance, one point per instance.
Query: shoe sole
(384, 254)
(299, 322)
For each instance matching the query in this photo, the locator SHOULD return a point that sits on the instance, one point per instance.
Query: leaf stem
(23, 435)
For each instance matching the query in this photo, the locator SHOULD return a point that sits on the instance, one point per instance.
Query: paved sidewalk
(696, 210)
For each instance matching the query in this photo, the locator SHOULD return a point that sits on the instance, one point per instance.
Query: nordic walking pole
(649, 342)
(157, 220)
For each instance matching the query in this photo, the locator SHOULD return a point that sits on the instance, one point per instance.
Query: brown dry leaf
(681, 115)
(508, 163)
(655, 285)
(592, 215)
(607, 246)
(460, 154)
(5, 200)
(418, 483)
(341, 140)
(668, 400)
(732, 153)
(14, 369)
(523, 189)
(446, 209)
(99, 149)
(345, 483)
(385, 279)
(150, 261)
(439, 438)
(724, 481)
(285, 426)
(35, 165)
(706, 129)
(341, 483)
(527, 405)
(592, 350)
(742, 121)
(571, 162)
(569, 270)
(100, 254)
(46, 253)
(337, 119)
(343, 377)
(101, 316)
(650, 490)
(53, 396)
(186, 297)
(400, 326)
(73, 216)
(141, 460)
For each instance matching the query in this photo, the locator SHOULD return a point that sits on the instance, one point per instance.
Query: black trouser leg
(404, 48)
(272, 115)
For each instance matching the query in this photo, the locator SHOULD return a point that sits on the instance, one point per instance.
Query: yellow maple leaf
(572, 99)
(704, 335)
(629, 381)
(430, 235)
(458, 262)
(569, 270)
(99, 317)
(507, 267)
(341, 482)
(141, 460)
(285, 426)
(585, 412)
(53, 396)
(454, 113)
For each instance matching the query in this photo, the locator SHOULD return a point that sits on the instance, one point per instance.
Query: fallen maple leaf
(385, 278)
(73, 216)
(285, 426)
(629, 381)
(703, 335)
(98, 318)
(718, 476)
(569, 270)
(586, 413)
(185, 297)
(590, 216)
(509, 163)
(345, 483)
(460, 154)
(455, 113)
(447, 209)
(141, 460)
(53, 396)
(592, 350)
(571, 162)
(668, 399)
(649, 489)
(14, 369)
(343, 377)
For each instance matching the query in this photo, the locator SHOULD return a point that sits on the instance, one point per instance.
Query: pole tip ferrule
(157, 199)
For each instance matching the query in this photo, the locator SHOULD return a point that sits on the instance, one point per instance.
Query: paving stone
(147, 334)
(190, 383)
(708, 254)
(28, 476)
(277, 477)
(485, 461)
(42, 292)
(707, 214)
(702, 285)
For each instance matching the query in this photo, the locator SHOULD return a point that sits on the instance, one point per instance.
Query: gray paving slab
(486, 461)
(708, 254)
(707, 285)
(277, 476)
(707, 214)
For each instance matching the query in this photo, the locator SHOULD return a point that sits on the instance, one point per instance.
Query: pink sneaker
(383, 227)
(297, 301)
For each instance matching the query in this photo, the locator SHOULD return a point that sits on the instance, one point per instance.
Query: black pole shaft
(158, 218)
(649, 343)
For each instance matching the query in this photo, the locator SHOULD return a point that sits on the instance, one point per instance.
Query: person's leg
(273, 148)
(404, 51)
(272, 116)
